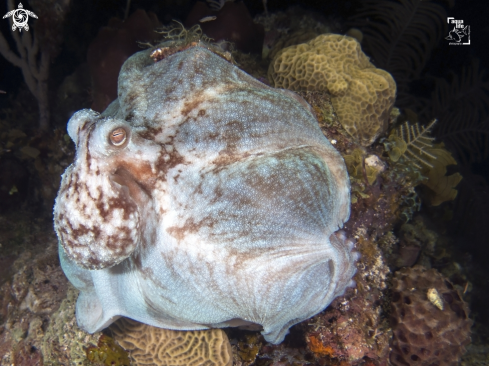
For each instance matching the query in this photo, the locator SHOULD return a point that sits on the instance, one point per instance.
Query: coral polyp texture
(429, 319)
(151, 346)
(361, 94)
(202, 198)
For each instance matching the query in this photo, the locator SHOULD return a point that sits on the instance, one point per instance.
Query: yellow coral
(442, 186)
(361, 94)
(107, 353)
(151, 346)
(357, 169)
(248, 350)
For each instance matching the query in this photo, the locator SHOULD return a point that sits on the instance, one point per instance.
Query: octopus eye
(118, 136)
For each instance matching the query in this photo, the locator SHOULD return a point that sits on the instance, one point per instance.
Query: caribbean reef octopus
(202, 198)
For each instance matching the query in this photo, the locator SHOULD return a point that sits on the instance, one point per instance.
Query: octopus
(202, 198)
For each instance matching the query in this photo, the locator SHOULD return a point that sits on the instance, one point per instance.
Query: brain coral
(151, 346)
(427, 332)
(361, 94)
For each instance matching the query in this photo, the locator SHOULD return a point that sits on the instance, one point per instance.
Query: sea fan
(400, 35)
(217, 5)
(462, 106)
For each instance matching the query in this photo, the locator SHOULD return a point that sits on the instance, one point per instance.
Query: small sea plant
(411, 146)
(411, 142)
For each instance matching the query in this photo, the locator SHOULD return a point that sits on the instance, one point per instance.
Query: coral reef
(353, 329)
(361, 94)
(390, 181)
(390, 196)
(361, 166)
(31, 302)
(280, 355)
(62, 341)
(415, 239)
(429, 319)
(153, 346)
(247, 349)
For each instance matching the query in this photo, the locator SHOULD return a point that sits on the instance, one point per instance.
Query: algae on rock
(63, 341)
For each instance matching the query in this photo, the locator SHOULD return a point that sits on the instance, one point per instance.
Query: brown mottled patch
(177, 232)
(118, 245)
(268, 187)
(218, 195)
(148, 273)
(180, 65)
(232, 135)
(129, 99)
(191, 105)
(235, 126)
(88, 156)
(174, 160)
(191, 227)
(223, 161)
(225, 158)
(87, 124)
(150, 133)
(198, 68)
(70, 236)
(170, 89)
(130, 116)
(94, 262)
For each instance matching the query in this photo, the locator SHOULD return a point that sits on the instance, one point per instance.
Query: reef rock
(202, 198)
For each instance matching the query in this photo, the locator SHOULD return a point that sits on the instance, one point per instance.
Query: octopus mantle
(202, 198)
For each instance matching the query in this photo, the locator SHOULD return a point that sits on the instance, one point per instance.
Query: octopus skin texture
(202, 198)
